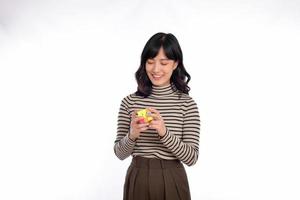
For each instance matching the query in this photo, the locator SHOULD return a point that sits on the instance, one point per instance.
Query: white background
(65, 66)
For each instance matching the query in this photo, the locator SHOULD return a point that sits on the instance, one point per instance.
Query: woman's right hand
(135, 127)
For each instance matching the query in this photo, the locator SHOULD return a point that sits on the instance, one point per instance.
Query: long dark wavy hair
(180, 77)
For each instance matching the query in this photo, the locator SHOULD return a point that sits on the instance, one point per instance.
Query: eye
(165, 63)
(150, 62)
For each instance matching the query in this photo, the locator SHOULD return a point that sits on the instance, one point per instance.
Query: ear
(175, 65)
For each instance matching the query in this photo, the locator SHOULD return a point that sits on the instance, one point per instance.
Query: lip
(156, 77)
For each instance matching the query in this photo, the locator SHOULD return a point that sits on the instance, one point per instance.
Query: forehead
(161, 55)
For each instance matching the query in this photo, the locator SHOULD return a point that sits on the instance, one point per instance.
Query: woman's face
(159, 69)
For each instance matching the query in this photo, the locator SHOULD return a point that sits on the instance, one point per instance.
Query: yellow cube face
(142, 113)
(145, 114)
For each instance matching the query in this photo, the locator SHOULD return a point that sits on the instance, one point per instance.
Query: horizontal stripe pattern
(181, 117)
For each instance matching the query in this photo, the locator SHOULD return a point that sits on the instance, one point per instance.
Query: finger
(144, 129)
(154, 123)
(143, 125)
(140, 120)
(135, 119)
(155, 116)
(153, 110)
(133, 114)
(153, 126)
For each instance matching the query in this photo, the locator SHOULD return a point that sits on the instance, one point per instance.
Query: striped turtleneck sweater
(181, 118)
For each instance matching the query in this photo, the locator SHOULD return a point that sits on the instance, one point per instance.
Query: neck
(163, 90)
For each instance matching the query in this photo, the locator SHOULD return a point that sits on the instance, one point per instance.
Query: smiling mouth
(156, 77)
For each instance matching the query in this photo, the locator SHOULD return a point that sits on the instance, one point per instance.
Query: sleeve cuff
(166, 136)
(130, 141)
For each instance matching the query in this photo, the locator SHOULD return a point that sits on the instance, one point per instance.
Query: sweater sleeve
(186, 149)
(123, 146)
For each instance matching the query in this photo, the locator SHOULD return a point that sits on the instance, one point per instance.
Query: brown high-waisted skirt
(156, 179)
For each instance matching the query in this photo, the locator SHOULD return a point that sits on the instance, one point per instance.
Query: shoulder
(188, 100)
(132, 97)
(129, 100)
(186, 97)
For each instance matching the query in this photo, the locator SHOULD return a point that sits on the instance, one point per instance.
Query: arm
(123, 146)
(186, 149)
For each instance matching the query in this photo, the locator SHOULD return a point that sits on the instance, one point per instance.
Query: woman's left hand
(157, 122)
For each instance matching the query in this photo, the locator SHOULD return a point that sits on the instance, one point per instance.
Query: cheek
(147, 68)
(148, 71)
(169, 70)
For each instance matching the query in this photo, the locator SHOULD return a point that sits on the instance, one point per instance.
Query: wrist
(163, 132)
(131, 137)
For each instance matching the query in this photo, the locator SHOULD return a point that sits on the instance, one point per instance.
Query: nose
(156, 67)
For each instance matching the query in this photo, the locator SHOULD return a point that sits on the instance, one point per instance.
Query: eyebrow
(163, 59)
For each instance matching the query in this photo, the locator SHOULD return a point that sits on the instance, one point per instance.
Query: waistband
(154, 163)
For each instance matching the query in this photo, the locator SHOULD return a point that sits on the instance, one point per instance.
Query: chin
(159, 83)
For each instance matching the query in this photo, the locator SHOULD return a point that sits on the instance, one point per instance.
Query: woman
(160, 146)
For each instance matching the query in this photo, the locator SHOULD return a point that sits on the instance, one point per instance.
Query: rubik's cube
(146, 114)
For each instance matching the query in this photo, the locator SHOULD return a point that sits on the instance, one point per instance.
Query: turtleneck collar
(163, 90)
